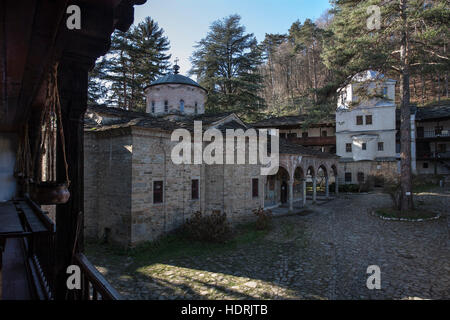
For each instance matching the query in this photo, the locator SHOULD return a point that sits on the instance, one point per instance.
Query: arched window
(182, 105)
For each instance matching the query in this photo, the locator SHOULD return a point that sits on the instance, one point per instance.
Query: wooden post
(73, 81)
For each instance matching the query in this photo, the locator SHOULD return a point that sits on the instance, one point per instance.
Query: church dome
(175, 78)
(175, 94)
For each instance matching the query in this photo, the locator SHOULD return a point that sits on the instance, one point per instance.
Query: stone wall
(108, 185)
(229, 190)
(369, 168)
(152, 162)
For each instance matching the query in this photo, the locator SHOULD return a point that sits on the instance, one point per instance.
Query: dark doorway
(284, 192)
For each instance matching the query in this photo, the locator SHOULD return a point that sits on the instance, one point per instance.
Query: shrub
(349, 188)
(209, 228)
(264, 219)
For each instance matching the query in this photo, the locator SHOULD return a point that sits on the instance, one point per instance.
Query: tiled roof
(172, 78)
(291, 121)
(128, 119)
(124, 118)
(287, 147)
(433, 112)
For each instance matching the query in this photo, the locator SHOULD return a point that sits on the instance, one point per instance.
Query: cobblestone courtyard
(321, 255)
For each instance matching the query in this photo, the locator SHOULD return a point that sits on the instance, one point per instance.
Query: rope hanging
(50, 124)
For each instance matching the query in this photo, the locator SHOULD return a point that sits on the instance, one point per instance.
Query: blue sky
(185, 22)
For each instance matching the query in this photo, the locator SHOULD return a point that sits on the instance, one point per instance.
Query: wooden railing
(40, 248)
(93, 285)
(314, 141)
(433, 134)
(432, 155)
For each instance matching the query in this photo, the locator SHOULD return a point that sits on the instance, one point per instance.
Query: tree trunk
(405, 129)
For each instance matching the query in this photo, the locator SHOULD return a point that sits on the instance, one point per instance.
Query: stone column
(336, 186)
(327, 187)
(314, 190)
(291, 195)
(304, 192)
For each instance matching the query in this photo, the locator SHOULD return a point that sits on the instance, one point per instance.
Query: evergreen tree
(149, 56)
(226, 63)
(136, 58)
(407, 39)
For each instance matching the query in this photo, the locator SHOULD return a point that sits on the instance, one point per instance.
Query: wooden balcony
(27, 258)
(314, 141)
(433, 135)
(427, 155)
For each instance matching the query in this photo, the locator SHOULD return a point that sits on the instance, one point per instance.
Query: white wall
(383, 118)
(7, 163)
(174, 93)
(371, 153)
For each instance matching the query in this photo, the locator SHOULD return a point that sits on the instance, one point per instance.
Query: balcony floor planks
(15, 285)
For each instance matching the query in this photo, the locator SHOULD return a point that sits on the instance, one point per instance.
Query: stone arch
(277, 187)
(299, 173)
(311, 172)
(334, 170)
(322, 169)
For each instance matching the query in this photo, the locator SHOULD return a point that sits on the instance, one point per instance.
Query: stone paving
(321, 255)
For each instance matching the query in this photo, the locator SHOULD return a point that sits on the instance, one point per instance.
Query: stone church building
(134, 193)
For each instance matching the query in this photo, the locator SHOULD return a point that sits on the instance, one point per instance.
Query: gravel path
(323, 255)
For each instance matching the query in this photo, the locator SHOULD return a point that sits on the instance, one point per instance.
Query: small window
(359, 120)
(385, 92)
(153, 106)
(195, 189)
(438, 130)
(181, 105)
(348, 177)
(368, 120)
(283, 135)
(292, 135)
(255, 188)
(166, 106)
(196, 108)
(360, 177)
(304, 134)
(348, 147)
(425, 165)
(158, 192)
(364, 146)
(380, 146)
(324, 133)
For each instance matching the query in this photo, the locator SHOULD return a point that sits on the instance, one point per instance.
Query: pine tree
(149, 56)
(226, 63)
(136, 58)
(406, 41)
